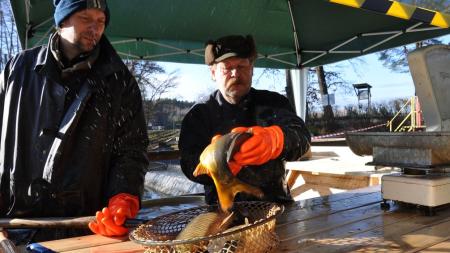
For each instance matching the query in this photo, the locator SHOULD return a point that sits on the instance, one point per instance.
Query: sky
(195, 80)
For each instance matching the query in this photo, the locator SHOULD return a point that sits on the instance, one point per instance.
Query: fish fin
(226, 197)
(227, 221)
(222, 222)
(239, 186)
(200, 170)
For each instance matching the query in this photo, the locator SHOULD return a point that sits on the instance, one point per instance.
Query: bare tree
(9, 41)
(322, 83)
(437, 5)
(323, 87)
(272, 76)
(153, 82)
(395, 58)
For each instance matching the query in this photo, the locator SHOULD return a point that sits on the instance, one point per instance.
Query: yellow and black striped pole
(400, 10)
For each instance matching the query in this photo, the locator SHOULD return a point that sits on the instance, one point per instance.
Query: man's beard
(235, 87)
(86, 47)
(234, 82)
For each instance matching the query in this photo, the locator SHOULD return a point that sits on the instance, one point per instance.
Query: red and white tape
(342, 133)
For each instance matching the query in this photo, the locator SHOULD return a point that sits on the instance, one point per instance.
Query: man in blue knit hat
(72, 136)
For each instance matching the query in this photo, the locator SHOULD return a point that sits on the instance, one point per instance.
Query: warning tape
(342, 133)
(400, 10)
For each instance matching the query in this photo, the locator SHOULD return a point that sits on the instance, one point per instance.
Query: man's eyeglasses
(226, 70)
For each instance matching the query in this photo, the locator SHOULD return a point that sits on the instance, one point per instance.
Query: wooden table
(344, 222)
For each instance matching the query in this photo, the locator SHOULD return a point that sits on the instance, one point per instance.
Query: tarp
(288, 33)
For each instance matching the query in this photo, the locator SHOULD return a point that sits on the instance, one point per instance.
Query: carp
(214, 162)
(206, 224)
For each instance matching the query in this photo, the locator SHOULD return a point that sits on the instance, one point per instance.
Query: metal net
(257, 234)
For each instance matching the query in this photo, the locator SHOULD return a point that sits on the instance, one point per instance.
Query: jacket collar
(107, 63)
(246, 100)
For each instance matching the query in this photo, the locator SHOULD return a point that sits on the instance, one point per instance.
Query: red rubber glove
(266, 144)
(109, 221)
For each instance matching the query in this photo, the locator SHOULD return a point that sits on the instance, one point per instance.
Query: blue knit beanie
(65, 8)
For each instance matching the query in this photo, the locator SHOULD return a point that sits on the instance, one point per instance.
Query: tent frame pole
(394, 35)
(343, 44)
(28, 26)
(391, 37)
(294, 30)
(273, 57)
(282, 61)
(300, 77)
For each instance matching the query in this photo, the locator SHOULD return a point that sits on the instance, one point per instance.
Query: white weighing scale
(423, 157)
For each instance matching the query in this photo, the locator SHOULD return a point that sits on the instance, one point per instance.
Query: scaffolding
(412, 121)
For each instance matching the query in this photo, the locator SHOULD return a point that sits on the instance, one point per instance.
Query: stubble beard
(86, 43)
(236, 89)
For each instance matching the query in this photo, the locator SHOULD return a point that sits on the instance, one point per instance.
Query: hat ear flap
(209, 53)
(252, 47)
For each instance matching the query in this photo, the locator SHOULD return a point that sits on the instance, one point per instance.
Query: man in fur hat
(72, 132)
(278, 133)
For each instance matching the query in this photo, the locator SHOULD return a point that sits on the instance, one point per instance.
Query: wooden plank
(163, 155)
(302, 210)
(413, 241)
(321, 224)
(390, 232)
(442, 247)
(81, 242)
(292, 177)
(341, 225)
(341, 181)
(329, 142)
(356, 193)
(122, 247)
(297, 213)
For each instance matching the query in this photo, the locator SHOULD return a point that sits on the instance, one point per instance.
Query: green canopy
(288, 33)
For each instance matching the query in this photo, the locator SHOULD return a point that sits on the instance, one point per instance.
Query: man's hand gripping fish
(214, 162)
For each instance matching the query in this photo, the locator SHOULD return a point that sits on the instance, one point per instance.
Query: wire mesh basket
(257, 234)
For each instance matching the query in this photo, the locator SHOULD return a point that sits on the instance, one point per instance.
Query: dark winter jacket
(259, 107)
(68, 160)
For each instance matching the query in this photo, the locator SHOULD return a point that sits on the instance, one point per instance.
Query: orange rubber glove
(109, 221)
(266, 144)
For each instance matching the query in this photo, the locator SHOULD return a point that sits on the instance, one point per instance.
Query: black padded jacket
(259, 107)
